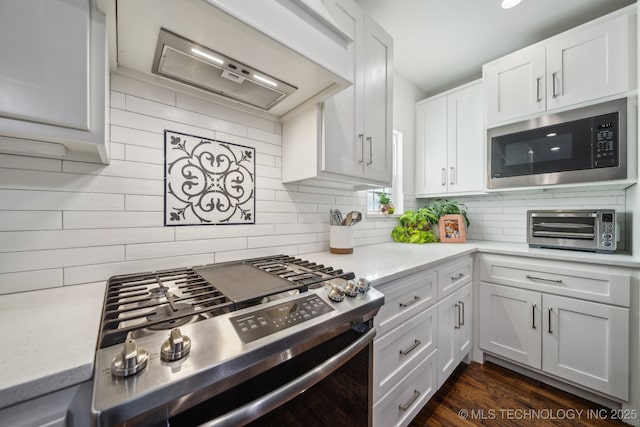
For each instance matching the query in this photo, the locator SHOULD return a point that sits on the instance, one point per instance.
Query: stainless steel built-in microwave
(582, 145)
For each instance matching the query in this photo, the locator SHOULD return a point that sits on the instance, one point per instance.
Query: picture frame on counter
(452, 229)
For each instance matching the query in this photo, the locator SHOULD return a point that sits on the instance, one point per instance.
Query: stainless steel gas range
(270, 341)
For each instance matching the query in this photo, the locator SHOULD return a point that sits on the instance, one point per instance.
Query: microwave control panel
(605, 148)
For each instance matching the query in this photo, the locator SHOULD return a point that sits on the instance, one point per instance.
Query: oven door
(330, 384)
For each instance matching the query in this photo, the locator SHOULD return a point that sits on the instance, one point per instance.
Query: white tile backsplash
(68, 223)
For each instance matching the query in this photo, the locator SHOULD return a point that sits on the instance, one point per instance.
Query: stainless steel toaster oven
(586, 230)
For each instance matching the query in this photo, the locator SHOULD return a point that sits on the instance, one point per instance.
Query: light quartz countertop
(384, 262)
(52, 333)
(49, 340)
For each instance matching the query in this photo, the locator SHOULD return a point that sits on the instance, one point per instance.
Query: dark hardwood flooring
(494, 396)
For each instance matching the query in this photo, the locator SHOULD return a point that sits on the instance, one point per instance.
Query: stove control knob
(363, 285)
(336, 294)
(351, 289)
(131, 360)
(176, 347)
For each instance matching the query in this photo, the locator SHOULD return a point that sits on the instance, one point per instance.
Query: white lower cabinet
(409, 395)
(585, 343)
(510, 323)
(406, 354)
(454, 331)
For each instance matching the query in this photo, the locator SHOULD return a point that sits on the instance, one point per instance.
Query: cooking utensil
(337, 215)
(347, 219)
(356, 217)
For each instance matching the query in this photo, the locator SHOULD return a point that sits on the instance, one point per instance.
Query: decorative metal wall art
(207, 181)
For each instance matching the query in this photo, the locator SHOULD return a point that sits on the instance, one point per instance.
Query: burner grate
(165, 299)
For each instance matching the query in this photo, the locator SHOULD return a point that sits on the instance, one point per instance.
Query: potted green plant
(415, 227)
(421, 226)
(386, 207)
(446, 207)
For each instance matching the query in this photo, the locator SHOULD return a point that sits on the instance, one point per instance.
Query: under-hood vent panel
(180, 59)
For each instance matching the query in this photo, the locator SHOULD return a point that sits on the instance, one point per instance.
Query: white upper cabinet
(449, 143)
(377, 103)
(588, 63)
(52, 78)
(515, 85)
(347, 138)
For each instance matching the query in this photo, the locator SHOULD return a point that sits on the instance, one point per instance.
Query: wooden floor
(491, 395)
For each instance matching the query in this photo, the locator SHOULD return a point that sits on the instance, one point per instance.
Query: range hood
(188, 62)
(271, 55)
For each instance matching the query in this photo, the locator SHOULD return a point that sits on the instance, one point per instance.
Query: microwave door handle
(270, 401)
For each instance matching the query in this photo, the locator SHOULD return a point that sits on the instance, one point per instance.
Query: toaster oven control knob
(336, 294)
(176, 347)
(350, 288)
(131, 360)
(363, 285)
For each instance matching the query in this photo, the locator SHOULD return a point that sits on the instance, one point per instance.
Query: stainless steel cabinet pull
(415, 344)
(549, 328)
(543, 279)
(415, 299)
(452, 175)
(444, 176)
(370, 140)
(533, 316)
(416, 395)
(553, 85)
(361, 136)
(462, 316)
(458, 277)
(458, 309)
(538, 99)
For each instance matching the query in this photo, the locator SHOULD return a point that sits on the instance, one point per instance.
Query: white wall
(405, 96)
(67, 223)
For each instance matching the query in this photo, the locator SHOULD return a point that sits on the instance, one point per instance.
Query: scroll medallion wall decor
(207, 181)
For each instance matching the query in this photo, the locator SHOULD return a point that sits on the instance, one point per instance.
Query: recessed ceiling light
(508, 4)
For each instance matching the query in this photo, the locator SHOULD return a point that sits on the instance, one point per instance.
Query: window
(395, 191)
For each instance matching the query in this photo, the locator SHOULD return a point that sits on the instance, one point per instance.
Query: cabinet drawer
(404, 401)
(454, 276)
(584, 281)
(404, 298)
(401, 349)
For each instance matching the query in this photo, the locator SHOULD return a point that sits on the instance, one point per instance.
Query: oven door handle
(281, 395)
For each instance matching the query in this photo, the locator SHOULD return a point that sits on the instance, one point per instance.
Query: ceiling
(440, 44)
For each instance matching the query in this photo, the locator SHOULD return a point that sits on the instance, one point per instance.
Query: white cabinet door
(510, 323)
(587, 343)
(465, 331)
(515, 84)
(343, 141)
(454, 331)
(44, 71)
(465, 140)
(377, 102)
(431, 147)
(447, 325)
(588, 64)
